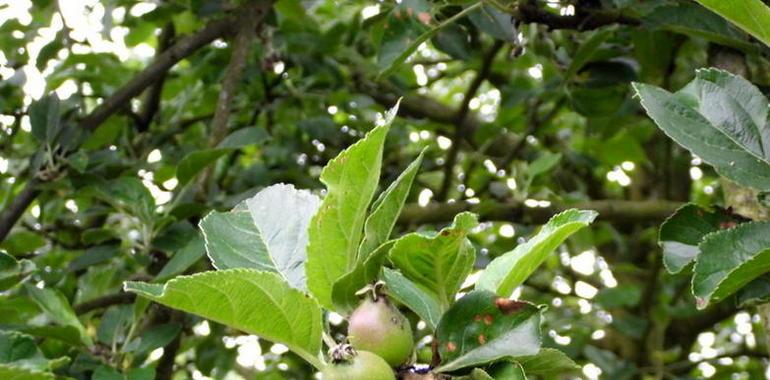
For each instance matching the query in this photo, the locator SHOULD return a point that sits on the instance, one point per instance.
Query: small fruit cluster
(380, 338)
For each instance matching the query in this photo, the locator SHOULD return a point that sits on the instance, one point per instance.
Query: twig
(151, 104)
(103, 302)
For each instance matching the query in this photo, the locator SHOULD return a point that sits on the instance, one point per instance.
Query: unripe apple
(377, 326)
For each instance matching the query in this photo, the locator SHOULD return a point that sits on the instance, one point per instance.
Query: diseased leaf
(720, 118)
(386, 208)
(282, 215)
(511, 269)
(422, 303)
(729, 260)
(255, 302)
(439, 263)
(365, 272)
(753, 16)
(335, 231)
(681, 233)
(482, 328)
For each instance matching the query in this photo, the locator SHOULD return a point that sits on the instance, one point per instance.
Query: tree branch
(459, 119)
(18, 205)
(151, 104)
(103, 302)
(621, 211)
(157, 69)
(530, 12)
(134, 87)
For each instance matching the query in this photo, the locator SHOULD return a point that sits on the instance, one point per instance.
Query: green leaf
(544, 163)
(155, 337)
(58, 309)
(23, 242)
(482, 328)
(681, 233)
(335, 232)
(8, 372)
(507, 371)
(128, 195)
(271, 236)
(402, 27)
(693, 20)
(453, 40)
(755, 292)
(44, 118)
(494, 22)
(753, 16)
(182, 259)
(511, 269)
(439, 263)
(547, 362)
(12, 271)
(282, 215)
(586, 51)
(720, 118)
(365, 272)
(252, 301)
(386, 208)
(422, 303)
(233, 241)
(244, 137)
(20, 350)
(109, 373)
(114, 324)
(730, 259)
(194, 163)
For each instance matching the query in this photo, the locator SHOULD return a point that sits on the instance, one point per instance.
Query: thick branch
(609, 210)
(134, 87)
(157, 69)
(530, 12)
(103, 302)
(151, 104)
(18, 205)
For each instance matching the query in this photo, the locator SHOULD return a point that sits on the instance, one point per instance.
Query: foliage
(200, 189)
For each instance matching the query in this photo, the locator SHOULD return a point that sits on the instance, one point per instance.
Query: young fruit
(377, 326)
(359, 365)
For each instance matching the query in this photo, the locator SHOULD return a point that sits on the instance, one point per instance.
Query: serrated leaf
(58, 309)
(386, 208)
(681, 233)
(753, 16)
(730, 259)
(422, 303)
(511, 269)
(440, 263)
(282, 215)
(233, 241)
(256, 302)
(720, 118)
(482, 328)
(547, 362)
(335, 232)
(365, 272)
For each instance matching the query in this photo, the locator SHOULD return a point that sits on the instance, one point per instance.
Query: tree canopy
(202, 188)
